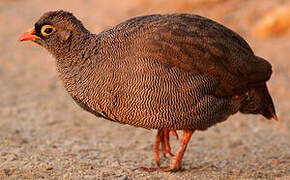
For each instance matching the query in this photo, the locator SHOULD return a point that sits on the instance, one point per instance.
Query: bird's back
(196, 45)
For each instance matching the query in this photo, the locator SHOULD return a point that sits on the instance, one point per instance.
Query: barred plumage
(165, 72)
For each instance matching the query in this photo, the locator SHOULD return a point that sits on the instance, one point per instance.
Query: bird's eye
(47, 30)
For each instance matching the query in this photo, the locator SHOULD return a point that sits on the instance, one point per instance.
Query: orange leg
(159, 138)
(166, 144)
(163, 137)
(175, 164)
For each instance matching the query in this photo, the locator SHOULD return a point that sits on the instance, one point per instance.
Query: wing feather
(198, 45)
(201, 46)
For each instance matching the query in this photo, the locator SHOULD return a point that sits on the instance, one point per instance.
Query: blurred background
(44, 134)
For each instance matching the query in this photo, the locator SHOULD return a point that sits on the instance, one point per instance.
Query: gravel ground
(44, 134)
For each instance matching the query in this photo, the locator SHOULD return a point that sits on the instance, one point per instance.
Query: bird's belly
(161, 103)
(208, 111)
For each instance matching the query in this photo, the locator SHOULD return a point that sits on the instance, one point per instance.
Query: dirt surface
(44, 134)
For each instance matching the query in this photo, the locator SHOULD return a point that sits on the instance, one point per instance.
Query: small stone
(274, 161)
(235, 144)
(49, 168)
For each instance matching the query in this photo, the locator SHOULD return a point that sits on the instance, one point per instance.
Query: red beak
(28, 36)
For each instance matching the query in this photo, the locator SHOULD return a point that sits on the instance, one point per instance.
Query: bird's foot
(162, 138)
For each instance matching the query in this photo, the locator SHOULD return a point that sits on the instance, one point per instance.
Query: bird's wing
(201, 46)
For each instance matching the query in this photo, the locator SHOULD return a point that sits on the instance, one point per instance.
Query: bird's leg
(175, 164)
(174, 133)
(159, 138)
(166, 144)
(163, 138)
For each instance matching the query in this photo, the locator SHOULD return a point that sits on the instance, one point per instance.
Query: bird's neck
(74, 60)
(74, 51)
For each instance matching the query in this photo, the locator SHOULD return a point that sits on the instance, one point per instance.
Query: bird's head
(54, 29)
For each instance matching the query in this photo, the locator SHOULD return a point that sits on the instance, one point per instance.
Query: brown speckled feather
(176, 71)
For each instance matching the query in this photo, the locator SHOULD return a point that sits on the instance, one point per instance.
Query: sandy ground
(45, 135)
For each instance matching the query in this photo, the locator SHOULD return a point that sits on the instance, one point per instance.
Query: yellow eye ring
(47, 30)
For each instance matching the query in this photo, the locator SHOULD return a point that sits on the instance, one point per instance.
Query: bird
(165, 72)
